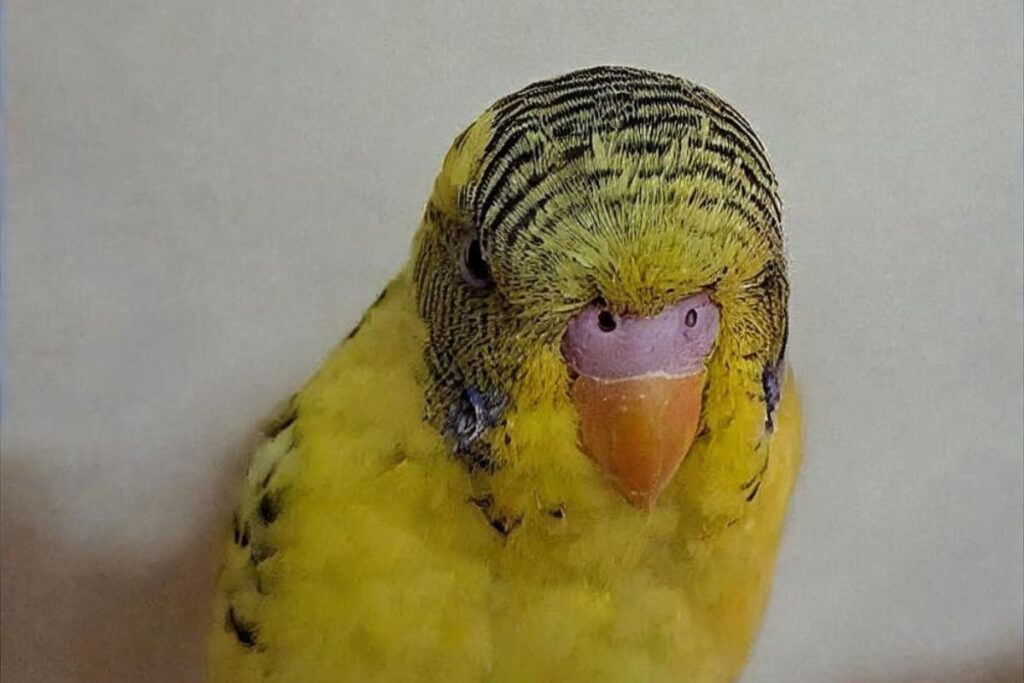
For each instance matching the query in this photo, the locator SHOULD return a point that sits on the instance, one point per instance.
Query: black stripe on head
(552, 124)
(534, 96)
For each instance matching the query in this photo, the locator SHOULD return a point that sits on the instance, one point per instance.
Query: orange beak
(638, 429)
(637, 388)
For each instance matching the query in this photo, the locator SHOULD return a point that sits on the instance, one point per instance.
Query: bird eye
(691, 318)
(475, 270)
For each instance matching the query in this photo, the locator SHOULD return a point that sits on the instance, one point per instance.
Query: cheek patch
(771, 382)
(474, 413)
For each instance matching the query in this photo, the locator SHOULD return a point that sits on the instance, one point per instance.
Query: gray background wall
(203, 196)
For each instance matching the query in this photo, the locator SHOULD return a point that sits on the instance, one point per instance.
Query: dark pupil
(691, 318)
(475, 264)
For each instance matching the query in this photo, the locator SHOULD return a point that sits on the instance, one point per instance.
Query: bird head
(606, 245)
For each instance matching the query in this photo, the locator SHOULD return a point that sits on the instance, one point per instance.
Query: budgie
(560, 444)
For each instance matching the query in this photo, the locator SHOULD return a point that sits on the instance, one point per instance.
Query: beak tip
(641, 500)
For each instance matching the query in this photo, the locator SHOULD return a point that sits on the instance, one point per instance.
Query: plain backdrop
(202, 197)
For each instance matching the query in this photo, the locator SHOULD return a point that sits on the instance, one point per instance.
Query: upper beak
(639, 428)
(639, 389)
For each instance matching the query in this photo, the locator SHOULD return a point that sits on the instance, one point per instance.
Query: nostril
(691, 317)
(606, 321)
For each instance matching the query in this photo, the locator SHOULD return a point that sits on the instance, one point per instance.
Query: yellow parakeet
(559, 446)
